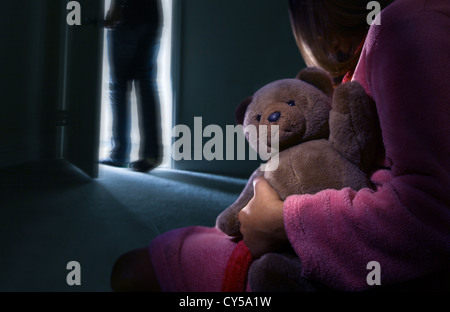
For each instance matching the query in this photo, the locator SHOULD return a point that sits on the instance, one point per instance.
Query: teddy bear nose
(274, 117)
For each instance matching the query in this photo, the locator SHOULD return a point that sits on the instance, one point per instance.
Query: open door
(82, 87)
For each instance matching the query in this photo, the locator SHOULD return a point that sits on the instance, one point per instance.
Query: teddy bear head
(299, 107)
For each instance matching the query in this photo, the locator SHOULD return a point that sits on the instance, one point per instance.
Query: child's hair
(329, 32)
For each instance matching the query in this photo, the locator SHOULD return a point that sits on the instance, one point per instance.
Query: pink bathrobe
(404, 224)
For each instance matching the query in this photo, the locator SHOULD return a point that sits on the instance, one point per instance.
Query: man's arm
(113, 15)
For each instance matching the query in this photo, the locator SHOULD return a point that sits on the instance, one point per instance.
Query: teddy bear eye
(291, 103)
(258, 118)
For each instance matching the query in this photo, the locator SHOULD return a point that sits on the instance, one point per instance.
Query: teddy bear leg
(280, 272)
(354, 125)
(227, 221)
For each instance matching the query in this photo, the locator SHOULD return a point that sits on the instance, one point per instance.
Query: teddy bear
(327, 139)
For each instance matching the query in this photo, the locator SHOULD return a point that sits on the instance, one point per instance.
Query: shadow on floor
(51, 214)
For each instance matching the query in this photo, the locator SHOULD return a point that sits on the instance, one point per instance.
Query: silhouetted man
(133, 45)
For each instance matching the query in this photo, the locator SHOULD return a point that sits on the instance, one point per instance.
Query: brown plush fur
(327, 140)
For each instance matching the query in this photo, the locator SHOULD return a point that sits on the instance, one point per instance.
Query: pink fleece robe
(404, 224)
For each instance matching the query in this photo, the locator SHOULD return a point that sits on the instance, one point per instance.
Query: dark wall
(227, 50)
(30, 34)
(224, 51)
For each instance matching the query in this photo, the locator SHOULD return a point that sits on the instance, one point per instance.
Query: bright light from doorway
(165, 93)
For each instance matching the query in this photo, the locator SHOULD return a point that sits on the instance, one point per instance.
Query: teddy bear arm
(227, 221)
(354, 126)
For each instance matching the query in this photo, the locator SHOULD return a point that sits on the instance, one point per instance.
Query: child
(404, 224)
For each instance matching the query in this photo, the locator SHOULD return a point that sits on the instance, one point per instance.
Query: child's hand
(261, 220)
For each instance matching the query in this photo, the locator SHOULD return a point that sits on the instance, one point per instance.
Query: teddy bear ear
(241, 109)
(318, 78)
